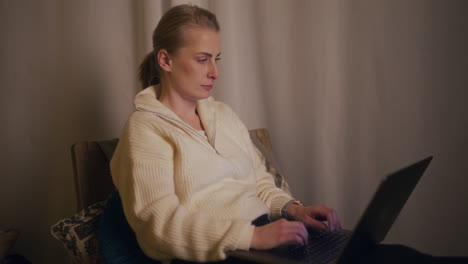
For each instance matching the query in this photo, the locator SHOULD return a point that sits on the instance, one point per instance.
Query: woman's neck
(184, 109)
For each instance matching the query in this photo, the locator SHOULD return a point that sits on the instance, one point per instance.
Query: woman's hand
(314, 215)
(278, 233)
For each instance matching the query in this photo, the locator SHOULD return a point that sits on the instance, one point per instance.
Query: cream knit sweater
(187, 197)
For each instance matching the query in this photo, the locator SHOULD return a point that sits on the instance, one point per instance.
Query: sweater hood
(147, 101)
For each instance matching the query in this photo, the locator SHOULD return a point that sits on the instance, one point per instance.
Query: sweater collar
(206, 112)
(146, 100)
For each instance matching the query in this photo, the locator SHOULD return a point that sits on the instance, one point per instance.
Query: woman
(188, 175)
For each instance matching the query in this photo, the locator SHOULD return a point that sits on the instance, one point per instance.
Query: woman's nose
(213, 73)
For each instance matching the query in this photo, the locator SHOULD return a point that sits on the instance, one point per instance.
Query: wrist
(290, 208)
(292, 211)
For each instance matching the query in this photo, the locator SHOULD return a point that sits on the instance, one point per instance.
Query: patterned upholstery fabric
(271, 165)
(78, 234)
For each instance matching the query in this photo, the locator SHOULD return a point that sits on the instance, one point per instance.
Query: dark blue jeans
(117, 241)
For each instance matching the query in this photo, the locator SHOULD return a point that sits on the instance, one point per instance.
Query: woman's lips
(207, 86)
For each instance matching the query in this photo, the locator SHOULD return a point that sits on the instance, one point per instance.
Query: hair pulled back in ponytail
(148, 71)
(168, 35)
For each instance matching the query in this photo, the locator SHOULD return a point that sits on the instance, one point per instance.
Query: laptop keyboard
(323, 247)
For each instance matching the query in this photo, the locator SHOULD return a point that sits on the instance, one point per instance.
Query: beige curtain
(350, 91)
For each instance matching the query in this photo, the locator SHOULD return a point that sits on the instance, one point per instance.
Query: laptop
(347, 246)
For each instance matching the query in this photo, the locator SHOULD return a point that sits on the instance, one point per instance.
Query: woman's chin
(205, 95)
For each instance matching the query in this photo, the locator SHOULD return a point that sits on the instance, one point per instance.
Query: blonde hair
(168, 35)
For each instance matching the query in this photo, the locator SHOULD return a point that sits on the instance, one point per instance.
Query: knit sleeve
(274, 198)
(143, 171)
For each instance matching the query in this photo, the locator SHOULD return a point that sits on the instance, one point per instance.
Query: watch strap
(284, 209)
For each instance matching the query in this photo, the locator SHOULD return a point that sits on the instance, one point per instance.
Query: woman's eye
(206, 59)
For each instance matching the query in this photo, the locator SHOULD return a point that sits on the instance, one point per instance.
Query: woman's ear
(164, 60)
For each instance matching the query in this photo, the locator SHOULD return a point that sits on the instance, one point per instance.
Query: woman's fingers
(314, 216)
(291, 232)
(315, 224)
(331, 219)
(279, 233)
(334, 221)
(286, 232)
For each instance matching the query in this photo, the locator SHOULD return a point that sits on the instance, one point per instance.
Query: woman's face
(194, 68)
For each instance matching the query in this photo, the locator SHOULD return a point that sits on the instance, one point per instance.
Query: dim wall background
(350, 91)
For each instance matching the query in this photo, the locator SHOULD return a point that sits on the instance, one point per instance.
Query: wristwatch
(284, 209)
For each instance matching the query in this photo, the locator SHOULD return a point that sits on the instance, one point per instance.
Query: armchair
(93, 185)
